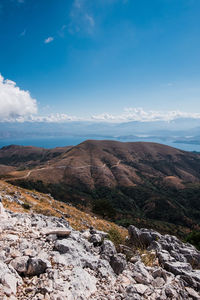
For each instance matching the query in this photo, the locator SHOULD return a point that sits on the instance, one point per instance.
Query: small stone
(15, 253)
(63, 246)
(118, 263)
(121, 289)
(10, 281)
(20, 264)
(134, 234)
(29, 252)
(12, 237)
(51, 237)
(140, 288)
(158, 282)
(29, 290)
(170, 292)
(86, 235)
(40, 296)
(36, 266)
(96, 239)
(60, 232)
(108, 250)
(193, 293)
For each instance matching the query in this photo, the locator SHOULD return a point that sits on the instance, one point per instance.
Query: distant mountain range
(140, 183)
(177, 131)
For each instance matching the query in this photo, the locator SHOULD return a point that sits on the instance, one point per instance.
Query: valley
(141, 183)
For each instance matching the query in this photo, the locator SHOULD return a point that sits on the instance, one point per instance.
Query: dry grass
(148, 258)
(44, 204)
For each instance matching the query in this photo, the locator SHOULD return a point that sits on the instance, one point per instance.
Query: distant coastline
(52, 142)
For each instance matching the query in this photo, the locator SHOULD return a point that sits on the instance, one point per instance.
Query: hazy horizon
(119, 69)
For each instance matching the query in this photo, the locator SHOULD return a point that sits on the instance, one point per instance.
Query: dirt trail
(63, 167)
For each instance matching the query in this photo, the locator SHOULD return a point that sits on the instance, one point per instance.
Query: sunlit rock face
(44, 258)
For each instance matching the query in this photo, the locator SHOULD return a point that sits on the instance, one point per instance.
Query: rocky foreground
(44, 258)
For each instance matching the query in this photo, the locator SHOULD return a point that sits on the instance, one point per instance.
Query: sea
(52, 142)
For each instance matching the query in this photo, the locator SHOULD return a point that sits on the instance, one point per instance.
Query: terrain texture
(51, 250)
(145, 184)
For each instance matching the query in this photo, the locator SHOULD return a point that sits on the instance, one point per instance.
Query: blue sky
(89, 57)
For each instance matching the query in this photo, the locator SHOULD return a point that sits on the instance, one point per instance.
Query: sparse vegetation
(148, 258)
(104, 208)
(194, 239)
(149, 190)
(116, 237)
(164, 209)
(79, 220)
(26, 206)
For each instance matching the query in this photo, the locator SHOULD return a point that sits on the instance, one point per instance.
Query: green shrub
(125, 222)
(26, 206)
(194, 239)
(104, 208)
(116, 237)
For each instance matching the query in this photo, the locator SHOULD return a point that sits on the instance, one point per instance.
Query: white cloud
(14, 102)
(90, 20)
(48, 40)
(52, 118)
(140, 115)
(17, 105)
(81, 18)
(128, 115)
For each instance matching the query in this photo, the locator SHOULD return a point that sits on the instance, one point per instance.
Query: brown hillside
(34, 202)
(111, 164)
(125, 182)
(24, 156)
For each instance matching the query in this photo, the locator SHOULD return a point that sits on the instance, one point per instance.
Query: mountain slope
(43, 257)
(20, 200)
(106, 163)
(126, 182)
(28, 156)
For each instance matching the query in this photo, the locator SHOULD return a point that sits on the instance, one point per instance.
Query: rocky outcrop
(180, 259)
(44, 258)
